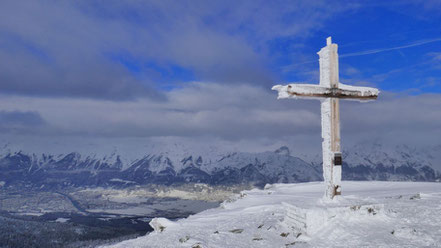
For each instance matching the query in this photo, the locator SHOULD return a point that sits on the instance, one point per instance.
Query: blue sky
(395, 46)
(194, 69)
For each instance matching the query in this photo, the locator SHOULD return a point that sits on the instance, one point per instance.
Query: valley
(73, 217)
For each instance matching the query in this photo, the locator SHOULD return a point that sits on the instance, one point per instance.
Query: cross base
(310, 221)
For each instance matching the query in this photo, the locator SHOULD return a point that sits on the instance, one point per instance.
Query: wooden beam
(335, 93)
(335, 126)
(318, 91)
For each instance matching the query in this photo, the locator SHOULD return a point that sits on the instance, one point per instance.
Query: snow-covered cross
(329, 90)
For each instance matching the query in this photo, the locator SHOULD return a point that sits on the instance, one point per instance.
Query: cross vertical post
(330, 120)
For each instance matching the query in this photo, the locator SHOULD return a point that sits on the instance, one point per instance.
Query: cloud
(98, 69)
(52, 49)
(395, 119)
(21, 122)
(71, 49)
(200, 109)
(240, 113)
(373, 51)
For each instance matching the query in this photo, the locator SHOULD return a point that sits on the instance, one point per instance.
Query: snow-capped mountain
(362, 162)
(73, 169)
(376, 161)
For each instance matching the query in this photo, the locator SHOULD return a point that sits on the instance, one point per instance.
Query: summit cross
(329, 91)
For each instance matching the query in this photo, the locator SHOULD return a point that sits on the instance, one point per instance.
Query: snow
(62, 220)
(151, 209)
(121, 181)
(328, 64)
(365, 91)
(308, 91)
(128, 150)
(196, 192)
(370, 214)
(331, 179)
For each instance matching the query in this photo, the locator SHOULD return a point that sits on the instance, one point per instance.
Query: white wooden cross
(329, 90)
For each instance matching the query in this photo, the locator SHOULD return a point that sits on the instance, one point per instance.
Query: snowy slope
(409, 217)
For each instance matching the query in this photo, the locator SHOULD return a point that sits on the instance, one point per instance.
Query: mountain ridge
(281, 166)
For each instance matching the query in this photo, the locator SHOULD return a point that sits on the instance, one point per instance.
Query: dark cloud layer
(21, 122)
(235, 113)
(21, 118)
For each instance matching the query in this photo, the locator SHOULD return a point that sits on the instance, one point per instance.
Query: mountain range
(363, 162)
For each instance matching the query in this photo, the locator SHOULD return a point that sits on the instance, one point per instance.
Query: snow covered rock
(160, 224)
(284, 150)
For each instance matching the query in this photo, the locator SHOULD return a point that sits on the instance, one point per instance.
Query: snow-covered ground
(370, 214)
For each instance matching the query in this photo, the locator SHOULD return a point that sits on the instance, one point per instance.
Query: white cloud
(53, 48)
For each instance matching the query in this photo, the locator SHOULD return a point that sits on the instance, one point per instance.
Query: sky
(202, 71)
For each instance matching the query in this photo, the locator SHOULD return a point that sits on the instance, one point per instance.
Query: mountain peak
(284, 150)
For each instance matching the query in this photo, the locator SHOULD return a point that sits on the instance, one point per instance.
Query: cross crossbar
(313, 91)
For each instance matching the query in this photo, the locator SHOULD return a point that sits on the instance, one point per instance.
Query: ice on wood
(312, 91)
(330, 90)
